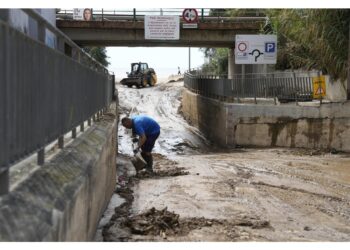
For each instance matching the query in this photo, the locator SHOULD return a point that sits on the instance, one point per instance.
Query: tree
(218, 57)
(99, 54)
(312, 39)
(307, 38)
(217, 60)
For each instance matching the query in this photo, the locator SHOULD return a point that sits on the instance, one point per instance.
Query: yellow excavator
(140, 76)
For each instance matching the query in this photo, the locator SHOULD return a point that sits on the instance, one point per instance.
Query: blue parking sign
(270, 47)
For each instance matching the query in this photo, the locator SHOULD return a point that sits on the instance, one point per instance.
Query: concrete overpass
(210, 32)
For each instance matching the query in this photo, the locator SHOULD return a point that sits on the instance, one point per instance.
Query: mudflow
(203, 193)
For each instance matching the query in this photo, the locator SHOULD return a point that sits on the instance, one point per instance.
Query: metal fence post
(134, 14)
(82, 127)
(41, 157)
(273, 89)
(61, 142)
(89, 122)
(41, 32)
(4, 182)
(74, 133)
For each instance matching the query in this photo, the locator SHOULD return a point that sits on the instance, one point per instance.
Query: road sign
(256, 49)
(319, 84)
(190, 15)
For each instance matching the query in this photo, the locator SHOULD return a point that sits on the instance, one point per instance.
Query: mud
(211, 194)
(162, 225)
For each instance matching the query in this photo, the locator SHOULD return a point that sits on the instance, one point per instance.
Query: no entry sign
(190, 15)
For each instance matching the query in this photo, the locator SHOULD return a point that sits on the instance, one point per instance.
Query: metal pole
(41, 157)
(242, 81)
(4, 182)
(348, 87)
(134, 10)
(319, 85)
(82, 127)
(61, 142)
(189, 59)
(202, 15)
(74, 133)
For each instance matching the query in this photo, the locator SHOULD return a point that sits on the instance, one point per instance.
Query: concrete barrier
(307, 125)
(65, 198)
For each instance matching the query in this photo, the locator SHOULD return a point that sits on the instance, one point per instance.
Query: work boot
(149, 161)
(149, 166)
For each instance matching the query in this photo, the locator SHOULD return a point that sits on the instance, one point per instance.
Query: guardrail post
(61, 142)
(41, 157)
(74, 133)
(4, 182)
(82, 127)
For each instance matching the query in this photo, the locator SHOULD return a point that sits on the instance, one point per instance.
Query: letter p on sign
(270, 47)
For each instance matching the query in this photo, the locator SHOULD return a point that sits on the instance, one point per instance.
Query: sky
(164, 60)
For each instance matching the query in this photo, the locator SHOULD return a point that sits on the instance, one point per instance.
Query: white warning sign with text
(162, 27)
(256, 49)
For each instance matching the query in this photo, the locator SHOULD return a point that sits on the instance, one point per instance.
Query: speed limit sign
(190, 15)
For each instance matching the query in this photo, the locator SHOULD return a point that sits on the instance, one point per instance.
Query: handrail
(203, 14)
(57, 32)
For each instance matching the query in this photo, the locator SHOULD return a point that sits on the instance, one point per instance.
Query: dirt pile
(163, 167)
(164, 223)
(162, 173)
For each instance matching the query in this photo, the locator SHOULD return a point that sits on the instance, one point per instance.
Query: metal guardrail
(64, 42)
(204, 15)
(282, 86)
(44, 94)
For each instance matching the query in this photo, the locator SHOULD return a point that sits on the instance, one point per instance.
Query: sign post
(256, 49)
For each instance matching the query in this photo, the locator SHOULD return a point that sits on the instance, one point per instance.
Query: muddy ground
(201, 193)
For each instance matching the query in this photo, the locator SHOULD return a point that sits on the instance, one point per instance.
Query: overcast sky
(164, 60)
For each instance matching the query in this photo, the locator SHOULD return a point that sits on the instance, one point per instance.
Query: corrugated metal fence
(43, 95)
(284, 86)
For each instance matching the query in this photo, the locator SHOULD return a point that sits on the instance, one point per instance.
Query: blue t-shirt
(145, 125)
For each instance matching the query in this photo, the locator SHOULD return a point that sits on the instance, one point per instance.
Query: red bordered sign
(190, 15)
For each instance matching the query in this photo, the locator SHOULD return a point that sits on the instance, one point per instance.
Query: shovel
(137, 160)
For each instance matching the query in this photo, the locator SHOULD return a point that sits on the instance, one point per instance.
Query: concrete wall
(286, 125)
(64, 199)
(336, 91)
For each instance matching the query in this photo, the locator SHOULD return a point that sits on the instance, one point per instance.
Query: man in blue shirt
(148, 131)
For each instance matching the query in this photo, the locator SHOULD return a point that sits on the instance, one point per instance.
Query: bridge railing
(282, 86)
(204, 14)
(44, 94)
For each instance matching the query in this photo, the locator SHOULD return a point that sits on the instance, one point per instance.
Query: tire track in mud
(242, 185)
